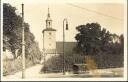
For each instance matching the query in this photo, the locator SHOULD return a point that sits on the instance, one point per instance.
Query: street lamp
(65, 20)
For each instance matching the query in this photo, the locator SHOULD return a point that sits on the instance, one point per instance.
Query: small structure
(75, 69)
(79, 68)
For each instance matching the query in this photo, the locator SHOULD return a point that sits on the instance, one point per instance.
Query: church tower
(49, 37)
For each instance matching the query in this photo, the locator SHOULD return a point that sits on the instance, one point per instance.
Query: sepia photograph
(64, 40)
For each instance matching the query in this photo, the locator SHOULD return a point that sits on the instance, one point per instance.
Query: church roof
(49, 29)
(68, 47)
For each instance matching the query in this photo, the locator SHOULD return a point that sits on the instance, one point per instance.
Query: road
(34, 72)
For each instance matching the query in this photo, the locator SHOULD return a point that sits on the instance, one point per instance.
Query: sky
(35, 12)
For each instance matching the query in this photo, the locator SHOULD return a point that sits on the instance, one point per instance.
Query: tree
(88, 39)
(12, 40)
(12, 34)
(122, 43)
(105, 39)
(103, 46)
(91, 41)
(11, 27)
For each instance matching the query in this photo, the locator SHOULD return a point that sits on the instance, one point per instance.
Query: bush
(11, 66)
(15, 65)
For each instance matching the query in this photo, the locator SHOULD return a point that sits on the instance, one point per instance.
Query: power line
(73, 5)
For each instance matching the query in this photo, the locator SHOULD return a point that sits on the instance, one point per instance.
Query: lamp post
(23, 44)
(65, 20)
(43, 55)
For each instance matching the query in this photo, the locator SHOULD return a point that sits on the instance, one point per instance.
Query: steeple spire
(48, 20)
(48, 9)
(48, 13)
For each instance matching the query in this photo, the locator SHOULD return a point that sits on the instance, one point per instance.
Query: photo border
(76, 79)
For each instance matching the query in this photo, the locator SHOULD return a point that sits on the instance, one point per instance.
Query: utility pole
(64, 44)
(23, 44)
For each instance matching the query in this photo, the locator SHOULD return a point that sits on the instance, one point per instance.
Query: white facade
(49, 40)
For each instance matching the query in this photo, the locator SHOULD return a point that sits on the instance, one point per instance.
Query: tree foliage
(12, 34)
(92, 40)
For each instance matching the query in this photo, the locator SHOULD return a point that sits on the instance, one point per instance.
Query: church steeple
(49, 39)
(48, 13)
(48, 20)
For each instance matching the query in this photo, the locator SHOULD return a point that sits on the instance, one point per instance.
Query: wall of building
(49, 40)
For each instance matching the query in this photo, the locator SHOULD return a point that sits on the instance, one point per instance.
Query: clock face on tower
(50, 39)
(50, 33)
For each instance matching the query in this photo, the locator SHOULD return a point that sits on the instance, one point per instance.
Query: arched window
(49, 23)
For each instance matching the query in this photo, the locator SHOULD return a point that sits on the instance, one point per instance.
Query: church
(49, 39)
(51, 47)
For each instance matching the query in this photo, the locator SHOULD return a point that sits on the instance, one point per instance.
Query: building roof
(68, 47)
(49, 29)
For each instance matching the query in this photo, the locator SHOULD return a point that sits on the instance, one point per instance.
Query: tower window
(49, 23)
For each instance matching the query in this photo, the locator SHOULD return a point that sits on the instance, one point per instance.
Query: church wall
(49, 40)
